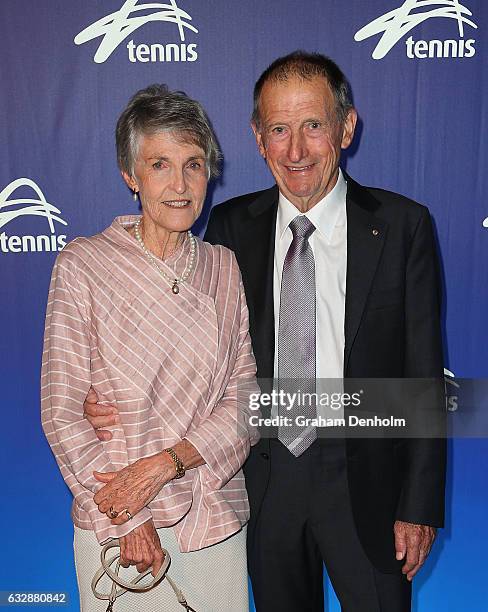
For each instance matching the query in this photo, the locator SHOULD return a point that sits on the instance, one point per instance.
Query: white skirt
(213, 579)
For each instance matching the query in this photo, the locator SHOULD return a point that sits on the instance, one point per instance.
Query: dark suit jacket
(392, 329)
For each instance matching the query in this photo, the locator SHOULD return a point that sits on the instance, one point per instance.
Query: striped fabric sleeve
(224, 438)
(65, 381)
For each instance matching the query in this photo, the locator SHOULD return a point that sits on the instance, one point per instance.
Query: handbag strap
(132, 585)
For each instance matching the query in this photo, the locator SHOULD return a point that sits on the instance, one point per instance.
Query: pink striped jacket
(173, 364)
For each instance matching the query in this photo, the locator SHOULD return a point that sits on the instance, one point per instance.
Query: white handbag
(125, 585)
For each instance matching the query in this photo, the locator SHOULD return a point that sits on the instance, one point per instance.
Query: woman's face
(171, 177)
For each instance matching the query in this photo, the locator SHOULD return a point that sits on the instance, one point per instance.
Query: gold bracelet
(180, 468)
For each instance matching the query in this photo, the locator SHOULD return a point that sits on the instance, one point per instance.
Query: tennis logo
(395, 24)
(13, 208)
(451, 388)
(116, 27)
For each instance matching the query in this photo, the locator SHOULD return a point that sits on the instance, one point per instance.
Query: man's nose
(298, 147)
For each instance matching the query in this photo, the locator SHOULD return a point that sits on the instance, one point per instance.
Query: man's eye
(158, 165)
(278, 130)
(195, 165)
(315, 124)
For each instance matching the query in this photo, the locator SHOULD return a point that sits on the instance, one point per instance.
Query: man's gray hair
(306, 66)
(156, 109)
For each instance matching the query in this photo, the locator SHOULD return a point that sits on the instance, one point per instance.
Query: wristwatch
(180, 468)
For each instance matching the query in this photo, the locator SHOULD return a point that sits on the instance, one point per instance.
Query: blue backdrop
(67, 69)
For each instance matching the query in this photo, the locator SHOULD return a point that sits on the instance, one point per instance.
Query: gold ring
(129, 515)
(113, 513)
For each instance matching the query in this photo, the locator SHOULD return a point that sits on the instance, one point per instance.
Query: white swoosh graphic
(395, 24)
(118, 26)
(40, 207)
(449, 378)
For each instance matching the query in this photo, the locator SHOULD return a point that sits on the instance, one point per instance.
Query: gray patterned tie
(296, 335)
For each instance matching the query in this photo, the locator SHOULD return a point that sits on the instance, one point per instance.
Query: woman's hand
(142, 548)
(133, 487)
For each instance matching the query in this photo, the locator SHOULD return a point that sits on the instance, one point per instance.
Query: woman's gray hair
(156, 109)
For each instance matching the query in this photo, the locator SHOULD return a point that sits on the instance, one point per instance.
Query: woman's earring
(134, 195)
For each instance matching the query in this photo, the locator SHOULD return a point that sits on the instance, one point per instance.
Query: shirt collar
(325, 215)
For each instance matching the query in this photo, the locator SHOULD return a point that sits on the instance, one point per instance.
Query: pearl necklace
(154, 260)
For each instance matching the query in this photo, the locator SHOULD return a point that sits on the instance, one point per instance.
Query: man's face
(301, 138)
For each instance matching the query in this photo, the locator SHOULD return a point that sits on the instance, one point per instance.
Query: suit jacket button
(265, 456)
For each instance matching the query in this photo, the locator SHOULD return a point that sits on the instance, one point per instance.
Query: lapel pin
(375, 232)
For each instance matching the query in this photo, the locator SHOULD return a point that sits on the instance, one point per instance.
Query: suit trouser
(306, 521)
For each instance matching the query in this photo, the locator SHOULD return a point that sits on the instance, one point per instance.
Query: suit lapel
(366, 234)
(257, 261)
(365, 239)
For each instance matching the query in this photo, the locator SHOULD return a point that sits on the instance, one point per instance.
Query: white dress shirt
(328, 243)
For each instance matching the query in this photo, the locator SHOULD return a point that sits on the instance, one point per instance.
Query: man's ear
(348, 129)
(259, 139)
(130, 181)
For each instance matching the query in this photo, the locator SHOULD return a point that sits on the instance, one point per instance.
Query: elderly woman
(155, 321)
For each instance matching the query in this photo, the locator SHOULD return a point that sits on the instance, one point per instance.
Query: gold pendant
(175, 289)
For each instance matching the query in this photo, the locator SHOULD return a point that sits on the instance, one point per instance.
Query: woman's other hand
(133, 487)
(142, 548)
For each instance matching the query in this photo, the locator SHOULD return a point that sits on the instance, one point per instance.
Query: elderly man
(341, 281)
